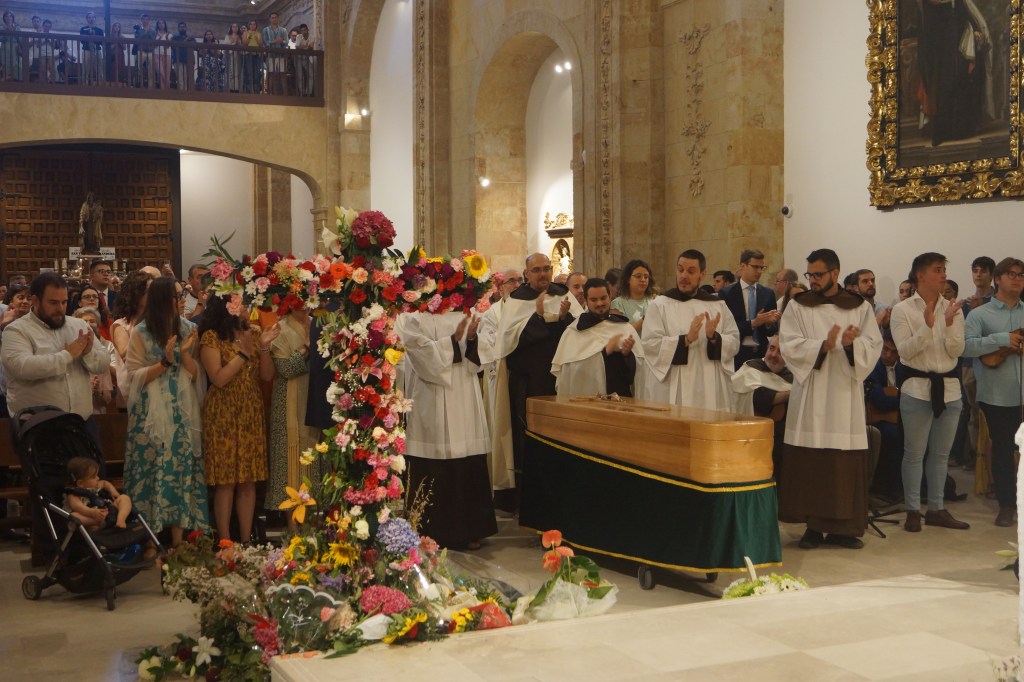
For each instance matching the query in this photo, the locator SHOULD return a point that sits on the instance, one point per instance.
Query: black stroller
(46, 438)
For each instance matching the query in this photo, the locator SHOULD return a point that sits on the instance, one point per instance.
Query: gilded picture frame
(945, 116)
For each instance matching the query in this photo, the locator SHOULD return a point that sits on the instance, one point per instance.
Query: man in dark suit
(99, 277)
(753, 307)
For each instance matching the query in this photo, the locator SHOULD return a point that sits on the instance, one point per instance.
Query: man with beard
(595, 355)
(48, 357)
(831, 342)
(534, 317)
(689, 341)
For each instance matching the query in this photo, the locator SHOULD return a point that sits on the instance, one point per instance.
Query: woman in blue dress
(163, 468)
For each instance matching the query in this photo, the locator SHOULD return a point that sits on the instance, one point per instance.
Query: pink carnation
(410, 296)
(456, 301)
(359, 275)
(435, 303)
(234, 305)
(382, 599)
(221, 269)
(456, 265)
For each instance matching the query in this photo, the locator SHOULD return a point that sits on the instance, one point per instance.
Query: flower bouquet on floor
(755, 586)
(575, 589)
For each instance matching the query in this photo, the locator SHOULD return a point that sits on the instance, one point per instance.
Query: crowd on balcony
(247, 59)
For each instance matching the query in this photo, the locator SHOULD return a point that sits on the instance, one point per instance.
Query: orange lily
(299, 499)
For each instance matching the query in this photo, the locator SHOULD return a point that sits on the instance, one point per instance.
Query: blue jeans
(923, 431)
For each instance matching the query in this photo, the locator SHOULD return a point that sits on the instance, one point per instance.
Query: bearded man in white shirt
(929, 334)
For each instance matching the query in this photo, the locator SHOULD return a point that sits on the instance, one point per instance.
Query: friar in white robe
(831, 342)
(446, 433)
(532, 322)
(499, 461)
(689, 341)
(598, 352)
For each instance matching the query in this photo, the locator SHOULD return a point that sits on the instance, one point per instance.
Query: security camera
(787, 211)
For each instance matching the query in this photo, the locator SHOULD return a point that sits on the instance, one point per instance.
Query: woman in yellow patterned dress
(235, 358)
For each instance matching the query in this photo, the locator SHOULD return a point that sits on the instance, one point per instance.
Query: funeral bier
(704, 446)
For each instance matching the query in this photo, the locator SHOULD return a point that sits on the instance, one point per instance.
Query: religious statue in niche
(561, 257)
(90, 224)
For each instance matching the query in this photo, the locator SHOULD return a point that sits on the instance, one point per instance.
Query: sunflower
(477, 265)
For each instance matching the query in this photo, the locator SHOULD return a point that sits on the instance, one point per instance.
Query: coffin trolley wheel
(31, 587)
(712, 577)
(111, 596)
(646, 577)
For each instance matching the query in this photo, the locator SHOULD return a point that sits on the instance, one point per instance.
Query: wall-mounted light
(558, 68)
(364, 111)
(564, 66)
(567, 66)
(485, 182)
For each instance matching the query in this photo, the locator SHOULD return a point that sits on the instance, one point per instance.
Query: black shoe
(811, 539)
(845, 541)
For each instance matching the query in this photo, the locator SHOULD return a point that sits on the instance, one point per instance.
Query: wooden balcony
(70, 64)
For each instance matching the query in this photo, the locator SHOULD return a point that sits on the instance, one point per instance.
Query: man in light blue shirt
(275, 37)
(994, 334)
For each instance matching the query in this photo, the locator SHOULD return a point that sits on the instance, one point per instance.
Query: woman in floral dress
(235, 358)
(163, 467)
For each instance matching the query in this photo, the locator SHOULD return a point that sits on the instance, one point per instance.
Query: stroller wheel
(111, 596)
(31, 587)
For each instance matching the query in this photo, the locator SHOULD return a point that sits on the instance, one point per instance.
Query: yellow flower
(289, 553)
(299, 578)
(393, 355)
(341, 554)
(321, 448)
(307, 457)
(299, 499)
(477, 265)
(408, 625)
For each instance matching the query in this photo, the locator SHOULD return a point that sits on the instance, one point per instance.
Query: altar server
(446, 433)
(499, 461)
(689, 341)
(831, 342)
(597, 353)
(532, 322)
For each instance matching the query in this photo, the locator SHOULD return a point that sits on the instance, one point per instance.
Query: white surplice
(578, 364)
(447, 419)
(701, 382)
(748, 379)
(500, 463)
(826, 406)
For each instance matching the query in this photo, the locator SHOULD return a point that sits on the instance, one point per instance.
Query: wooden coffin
(705, 446)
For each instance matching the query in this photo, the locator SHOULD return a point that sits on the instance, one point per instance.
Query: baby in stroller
(92, 499)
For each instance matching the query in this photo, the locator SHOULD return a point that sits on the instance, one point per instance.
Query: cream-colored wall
(548, 151)
(279, 136)
(826, 118)
(391, 120)
(216, 200)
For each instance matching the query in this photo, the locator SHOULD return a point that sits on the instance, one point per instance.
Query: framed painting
(945, 115)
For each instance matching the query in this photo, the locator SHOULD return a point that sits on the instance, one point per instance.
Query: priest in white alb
(533, 319)
(831, 342)
(689, 341)
(447, 439)
(598, 351)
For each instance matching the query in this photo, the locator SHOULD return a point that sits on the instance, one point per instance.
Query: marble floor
(927, 606)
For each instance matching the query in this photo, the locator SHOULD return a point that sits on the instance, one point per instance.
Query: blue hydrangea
(397, 536)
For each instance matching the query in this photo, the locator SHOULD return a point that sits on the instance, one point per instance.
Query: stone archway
(498, 134)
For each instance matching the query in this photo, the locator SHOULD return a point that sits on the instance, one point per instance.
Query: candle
(63, 264)
(55, 264)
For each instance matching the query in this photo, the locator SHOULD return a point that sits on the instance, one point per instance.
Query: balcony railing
(56, 63)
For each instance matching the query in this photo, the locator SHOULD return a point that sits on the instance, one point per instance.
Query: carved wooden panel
(45, 190)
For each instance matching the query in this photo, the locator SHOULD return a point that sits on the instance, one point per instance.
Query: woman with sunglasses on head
(90, 297)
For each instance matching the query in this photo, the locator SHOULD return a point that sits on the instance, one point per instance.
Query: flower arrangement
(355, 572)
(574, 589)
(753, 586)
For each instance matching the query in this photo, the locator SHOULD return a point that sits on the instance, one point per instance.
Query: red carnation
(260, 267)
(327, 280)
(358, 296)
(389, 293)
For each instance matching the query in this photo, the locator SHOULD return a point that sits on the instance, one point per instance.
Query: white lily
(205, 651)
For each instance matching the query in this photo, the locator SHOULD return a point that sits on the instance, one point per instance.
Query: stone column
(723, 72)
(272, 192)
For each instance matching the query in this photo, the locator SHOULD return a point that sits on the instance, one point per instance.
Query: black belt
(938, 385)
